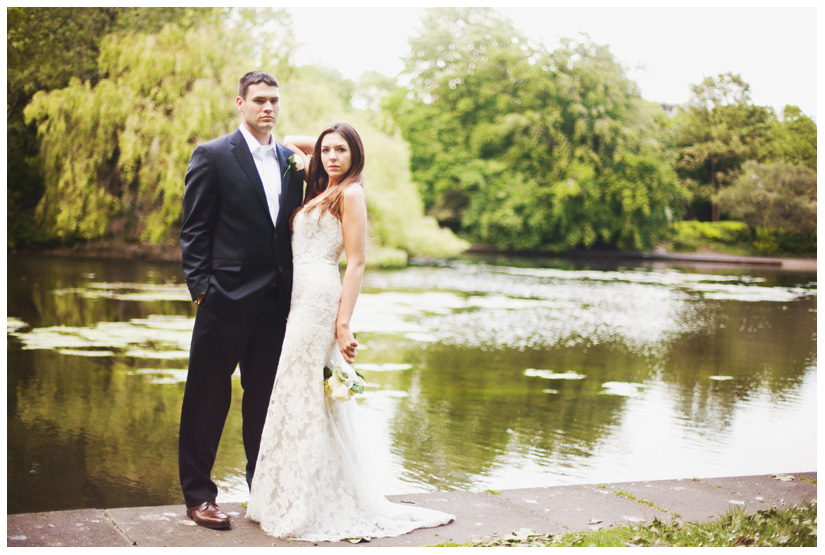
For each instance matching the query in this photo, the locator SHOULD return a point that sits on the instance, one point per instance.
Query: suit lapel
(286, 176)
(244, 158)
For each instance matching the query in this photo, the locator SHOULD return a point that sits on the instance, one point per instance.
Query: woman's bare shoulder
(354, 192)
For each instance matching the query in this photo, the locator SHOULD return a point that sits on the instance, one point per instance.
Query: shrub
(690, 236)
(778, 195)
(771, 241)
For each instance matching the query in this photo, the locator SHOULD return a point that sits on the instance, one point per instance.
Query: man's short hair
(253, 78)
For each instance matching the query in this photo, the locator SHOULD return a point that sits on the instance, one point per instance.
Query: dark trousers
(218, 346)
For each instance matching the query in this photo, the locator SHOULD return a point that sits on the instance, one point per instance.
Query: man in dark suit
(240, 192)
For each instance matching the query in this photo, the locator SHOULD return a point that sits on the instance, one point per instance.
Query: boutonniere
(293, 163)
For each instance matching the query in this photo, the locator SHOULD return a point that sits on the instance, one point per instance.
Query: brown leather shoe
(209, 515)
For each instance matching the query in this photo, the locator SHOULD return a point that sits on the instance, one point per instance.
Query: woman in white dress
(313, 479)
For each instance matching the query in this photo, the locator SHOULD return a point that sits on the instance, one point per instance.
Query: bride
(313, 480)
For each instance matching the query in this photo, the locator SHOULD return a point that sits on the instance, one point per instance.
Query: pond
(484, 373)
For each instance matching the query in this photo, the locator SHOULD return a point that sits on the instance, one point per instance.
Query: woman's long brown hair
(318, 179)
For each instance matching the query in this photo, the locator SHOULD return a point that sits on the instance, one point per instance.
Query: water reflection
(483, 374)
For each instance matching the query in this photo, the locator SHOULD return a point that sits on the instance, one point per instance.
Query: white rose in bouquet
(341, 385)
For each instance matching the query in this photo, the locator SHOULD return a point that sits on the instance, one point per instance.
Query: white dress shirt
(266, 160)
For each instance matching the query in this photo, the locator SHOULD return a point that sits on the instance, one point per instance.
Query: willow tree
(113, 152)
(528, 149)
(317, 97)
(46, 47)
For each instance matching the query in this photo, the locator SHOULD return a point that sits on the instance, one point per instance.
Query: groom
(237, 259)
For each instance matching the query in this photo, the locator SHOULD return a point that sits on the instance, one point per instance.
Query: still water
(486, 373)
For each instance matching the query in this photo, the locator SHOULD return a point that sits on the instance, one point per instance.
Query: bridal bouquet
(341, 385)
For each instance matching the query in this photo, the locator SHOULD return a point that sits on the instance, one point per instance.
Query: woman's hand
(346, 342)
(302, 146)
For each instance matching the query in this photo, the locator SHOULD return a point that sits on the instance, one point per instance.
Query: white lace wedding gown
(313, 479)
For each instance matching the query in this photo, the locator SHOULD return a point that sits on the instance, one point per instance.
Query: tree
(113, 152)
(45, 48)
(527, 149)
(793, 138)
(777, 195)
(719, 131)
(460, 69)
(397, 223)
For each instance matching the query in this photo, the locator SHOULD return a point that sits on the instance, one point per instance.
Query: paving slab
(575, 508)
(549, 510)
(757, 491)
(685, 500)
(169, 526)
(477, 514)
(78, 528)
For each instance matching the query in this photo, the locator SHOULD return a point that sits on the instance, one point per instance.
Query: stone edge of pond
(547, 510)
(171, 253)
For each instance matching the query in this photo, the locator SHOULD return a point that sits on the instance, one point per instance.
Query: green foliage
(530, 150)
(113, 154)
(46, 47)
(394, 204)
(740, 161)
(386, 258)
(690, 236)
(632, 497)
(114, 151)
(779, 195)
(737, 238)
(792, 527)
(794, 138)
(772, 241)
(719, 131)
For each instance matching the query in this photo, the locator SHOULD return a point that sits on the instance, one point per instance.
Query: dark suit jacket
(231, 250)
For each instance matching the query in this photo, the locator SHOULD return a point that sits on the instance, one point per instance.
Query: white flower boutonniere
(295, 163)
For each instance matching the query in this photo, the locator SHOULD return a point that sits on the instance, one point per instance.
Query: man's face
(260, 108)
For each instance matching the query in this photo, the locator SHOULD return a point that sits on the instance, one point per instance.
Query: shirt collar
(253, 143)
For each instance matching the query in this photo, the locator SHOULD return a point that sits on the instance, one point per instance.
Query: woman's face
(336, 157)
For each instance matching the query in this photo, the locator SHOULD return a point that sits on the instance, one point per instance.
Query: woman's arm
(354, 223)
(301, 145)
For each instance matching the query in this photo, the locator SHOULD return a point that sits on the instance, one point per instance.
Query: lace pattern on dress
(313, 480)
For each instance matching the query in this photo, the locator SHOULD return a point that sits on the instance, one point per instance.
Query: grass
(632, 497)
(791, 527)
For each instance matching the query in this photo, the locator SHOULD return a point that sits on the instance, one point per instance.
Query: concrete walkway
(550, 510)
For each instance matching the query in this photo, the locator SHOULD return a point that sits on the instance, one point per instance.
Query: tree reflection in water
(482, 376)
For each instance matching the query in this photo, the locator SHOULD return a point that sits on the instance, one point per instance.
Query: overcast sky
(664, 49)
